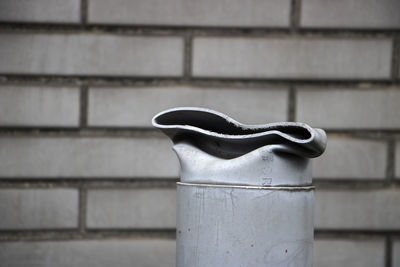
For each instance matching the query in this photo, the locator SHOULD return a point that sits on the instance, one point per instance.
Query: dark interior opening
(217, 124)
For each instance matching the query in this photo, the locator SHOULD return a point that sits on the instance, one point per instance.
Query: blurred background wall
(86, 181)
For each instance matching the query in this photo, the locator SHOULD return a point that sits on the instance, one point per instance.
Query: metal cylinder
(246, 196)
(222, 225)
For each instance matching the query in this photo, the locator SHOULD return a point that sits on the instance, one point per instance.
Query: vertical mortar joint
(391, 147)
(292, 104)
(295, 15)
(84, 12)
(187, 57)
(83, 110)
(396, 58)
(82, 209)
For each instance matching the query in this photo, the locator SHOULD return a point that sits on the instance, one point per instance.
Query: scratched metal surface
(264, 166)
(244, 226)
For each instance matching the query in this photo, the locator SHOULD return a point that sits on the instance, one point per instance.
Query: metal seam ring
(284, 188)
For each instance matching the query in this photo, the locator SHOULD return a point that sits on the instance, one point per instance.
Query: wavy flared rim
(216, 125)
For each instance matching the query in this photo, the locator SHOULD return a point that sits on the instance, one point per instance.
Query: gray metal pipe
(246, 196)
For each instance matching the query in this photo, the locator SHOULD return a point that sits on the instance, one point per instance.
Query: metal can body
(224, 225)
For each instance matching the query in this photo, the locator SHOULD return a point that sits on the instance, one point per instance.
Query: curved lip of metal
(259, 129)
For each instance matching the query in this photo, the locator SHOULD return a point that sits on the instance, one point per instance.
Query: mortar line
(83, 110)
(390, 160)
(141, 29)
(187, 57)
(388, 251)
(149, 132)
(356, 232)
(82, 209)
(81, 133)
(353, 235)
(99, 81)
(101, 234)
(166, 233)
(395, 63)
(90, 183)
(292, 98)
(361, 185)
(295, 10)
(84, 12)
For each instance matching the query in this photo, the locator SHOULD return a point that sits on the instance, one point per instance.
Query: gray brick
(346, 108)
(352, 158)
(38, 208)
(134, 208)
(354, 253)
(396, 253)
(255, 13)
(32, 157)
(350, 14)
(91, 54)
(397, 158)
(39, 106)
(55, 11)
(374, 209)
(93, 253)
(136, 106)
(309, 58)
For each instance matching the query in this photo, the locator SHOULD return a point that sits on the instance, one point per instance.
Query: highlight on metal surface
(246, 195)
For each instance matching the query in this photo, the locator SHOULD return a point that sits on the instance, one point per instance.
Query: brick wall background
(86, 181)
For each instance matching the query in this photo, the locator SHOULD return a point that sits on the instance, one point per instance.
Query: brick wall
(86, 181)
